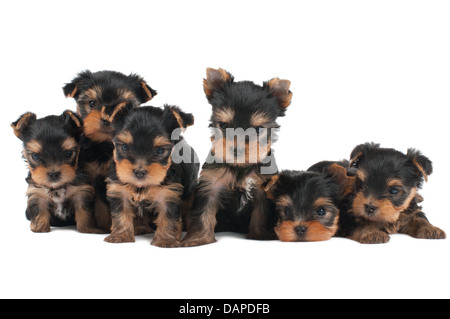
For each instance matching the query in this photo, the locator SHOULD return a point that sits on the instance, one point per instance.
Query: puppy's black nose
(54, 176)
(140, 173)
(370, 209)
(301, 230)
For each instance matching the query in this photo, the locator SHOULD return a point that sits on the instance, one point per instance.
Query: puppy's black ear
(175, 118)
(423, 165)
(271, 186)
(215, 80)
(340, 176)
(359, 153)
(117, 119)
(22, 125)
(143, 91)
(72, 89)
(280, 89)
(74, 122)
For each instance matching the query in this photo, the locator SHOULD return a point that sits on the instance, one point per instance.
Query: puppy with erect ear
(230, 196)
(59, 192)
(386, 195)
(147, 184)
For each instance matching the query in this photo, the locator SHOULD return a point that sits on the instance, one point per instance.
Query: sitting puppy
(149, 179)
(307, 203)
(99, 97)
(230, 195)
(59, 193)
(385, 199)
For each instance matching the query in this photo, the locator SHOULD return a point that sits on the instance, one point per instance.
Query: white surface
(360, 70)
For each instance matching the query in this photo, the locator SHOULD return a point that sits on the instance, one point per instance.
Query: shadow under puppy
(385, 199)
(150, 179)
(59, 192)
(307, 203)
(99, 97)
(230, 195)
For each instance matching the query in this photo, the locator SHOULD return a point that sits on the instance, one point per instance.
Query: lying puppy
(307, 203)
(385, 198)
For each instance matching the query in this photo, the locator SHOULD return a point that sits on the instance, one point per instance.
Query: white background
(360, 70)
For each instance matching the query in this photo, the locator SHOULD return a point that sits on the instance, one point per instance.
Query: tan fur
(387, 212)
(34, 146)
(224, 115)
(69, 144)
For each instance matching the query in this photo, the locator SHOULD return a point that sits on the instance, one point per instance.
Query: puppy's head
(101, 95)
(307, 204)
(143, 143)
(244, 116)
(386, 181)
(51, 147)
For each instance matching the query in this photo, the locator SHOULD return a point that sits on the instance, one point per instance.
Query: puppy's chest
(245, 190)
(59, 199)
(154, 198)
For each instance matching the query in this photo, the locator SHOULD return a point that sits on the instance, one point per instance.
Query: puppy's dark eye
(69, 154)
(394, 191)
(223, 125)
(356, 163)
(92, 104)
(125, 147)
(321, 212)
(35, 156)
(288, 212)
(159, 151)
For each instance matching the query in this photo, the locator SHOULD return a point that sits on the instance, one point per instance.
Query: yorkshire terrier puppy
(386, 199)
(230, 195)
(59, 192)
(99, 97)
(307, 203)
(153, 176)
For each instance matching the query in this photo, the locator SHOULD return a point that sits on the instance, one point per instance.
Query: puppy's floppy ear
(215, 80)
(74, 121)
(175, 118)
(359, 152)
(340, 176)
(119, 116)
(72, 89)
(22, 125)
(423, 165)
(270, 186)
(281, 90)
(143, 91)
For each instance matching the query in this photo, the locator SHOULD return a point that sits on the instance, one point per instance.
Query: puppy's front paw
(37, 227)
(166, 244)
(197, 242)
(373, 237)
(430, 232)
(119, 239)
